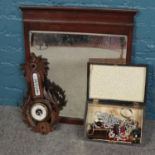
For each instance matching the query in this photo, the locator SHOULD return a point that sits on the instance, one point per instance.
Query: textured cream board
(124, 83)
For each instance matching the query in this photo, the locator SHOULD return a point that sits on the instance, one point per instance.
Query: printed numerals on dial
(36, 84)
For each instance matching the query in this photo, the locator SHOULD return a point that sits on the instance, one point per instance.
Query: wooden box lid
(116, 82)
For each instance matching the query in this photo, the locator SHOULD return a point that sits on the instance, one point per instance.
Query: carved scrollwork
(44, 98)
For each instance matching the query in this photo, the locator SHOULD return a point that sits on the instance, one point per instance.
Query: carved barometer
(44, 98)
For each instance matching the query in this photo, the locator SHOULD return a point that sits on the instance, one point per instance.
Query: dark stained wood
(39, 66)
(81, 15)
(83, 20)
(107, 61)
(70, 120)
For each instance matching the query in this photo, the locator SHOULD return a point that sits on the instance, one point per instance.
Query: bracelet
(126, 113)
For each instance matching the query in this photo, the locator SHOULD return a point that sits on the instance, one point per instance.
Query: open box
(115, 102)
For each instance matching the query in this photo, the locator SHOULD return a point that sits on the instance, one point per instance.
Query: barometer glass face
(39, 112)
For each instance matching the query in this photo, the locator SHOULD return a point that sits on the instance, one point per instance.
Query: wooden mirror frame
(82, 20)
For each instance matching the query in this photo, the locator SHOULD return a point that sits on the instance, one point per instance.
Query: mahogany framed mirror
(68, 37)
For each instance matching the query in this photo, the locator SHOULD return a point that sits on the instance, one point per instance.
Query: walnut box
(115, 102)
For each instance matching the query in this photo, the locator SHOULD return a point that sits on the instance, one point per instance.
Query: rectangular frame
(80, 20)
(99, 112)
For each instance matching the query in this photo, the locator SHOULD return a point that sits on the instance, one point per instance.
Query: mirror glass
(68, 54)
